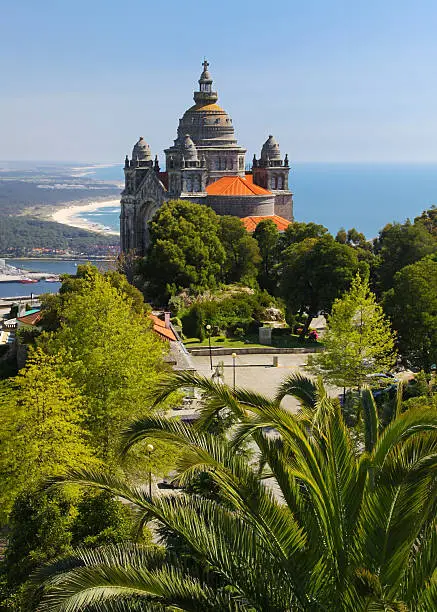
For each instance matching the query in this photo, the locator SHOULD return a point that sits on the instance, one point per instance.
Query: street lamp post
(208, 329)
(234, 357)
(150, 448)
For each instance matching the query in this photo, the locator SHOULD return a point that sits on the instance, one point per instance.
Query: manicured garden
(251, 341)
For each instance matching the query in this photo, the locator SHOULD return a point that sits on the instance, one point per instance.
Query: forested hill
(20, 236)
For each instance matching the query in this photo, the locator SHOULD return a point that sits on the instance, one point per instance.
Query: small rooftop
(31, 317)
(250, 223)
(160, 328)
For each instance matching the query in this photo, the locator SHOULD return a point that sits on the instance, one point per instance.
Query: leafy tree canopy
(113, 356)
(358, 341)
(429, 219)
(267, 235)
(185, 252)
(44, 524)
(297, 232)
(400, 245)
(41, 423)
(242, 251)
(412, 307)
(316, 271)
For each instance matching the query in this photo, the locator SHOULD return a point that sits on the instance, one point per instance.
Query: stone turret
(270, 171)
(141, 152)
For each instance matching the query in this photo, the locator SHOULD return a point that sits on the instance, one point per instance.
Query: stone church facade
(204, 165)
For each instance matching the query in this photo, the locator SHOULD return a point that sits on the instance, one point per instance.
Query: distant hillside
(21, 234)
(16, 195)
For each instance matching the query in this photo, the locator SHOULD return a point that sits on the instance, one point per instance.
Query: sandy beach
(71, 215)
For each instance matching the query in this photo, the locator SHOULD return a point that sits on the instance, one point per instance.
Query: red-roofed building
(32, 317)
(160, 327)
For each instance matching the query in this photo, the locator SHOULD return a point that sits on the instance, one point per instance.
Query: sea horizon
(364, 195)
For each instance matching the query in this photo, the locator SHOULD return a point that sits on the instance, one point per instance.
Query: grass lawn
(250, 341)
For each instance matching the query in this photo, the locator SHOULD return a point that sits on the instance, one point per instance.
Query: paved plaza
(256, 371)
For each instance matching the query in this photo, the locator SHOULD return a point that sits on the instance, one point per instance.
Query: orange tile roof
(250, 223)
(156, 320)
(235, 186)
(165, 333)
(160, 328)
(30, 319)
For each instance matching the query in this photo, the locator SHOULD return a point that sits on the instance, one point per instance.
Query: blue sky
(333, 81)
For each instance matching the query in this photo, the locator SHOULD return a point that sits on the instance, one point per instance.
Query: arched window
(280, 182)
(189, 184)
(217, 163)
(196, 183)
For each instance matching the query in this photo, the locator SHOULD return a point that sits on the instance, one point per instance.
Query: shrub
(236, 311)
(281, 331)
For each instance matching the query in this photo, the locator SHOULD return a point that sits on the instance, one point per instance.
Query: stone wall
(244, 206)
(284, 205)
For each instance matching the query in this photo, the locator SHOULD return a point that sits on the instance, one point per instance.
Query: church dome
(206, 122)
(141, 151)
(189, 150)
(270, 149)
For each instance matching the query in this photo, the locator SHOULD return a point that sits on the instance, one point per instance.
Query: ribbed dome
(270, 149)
(141, 151)
(189, 150)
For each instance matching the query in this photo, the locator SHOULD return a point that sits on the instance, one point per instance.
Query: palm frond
(300, 387)
(370, 417)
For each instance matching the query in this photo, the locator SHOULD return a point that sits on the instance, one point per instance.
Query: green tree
(358, 341)
(101, 519)
(39, 530)
(315, 526)
(400, 245)
(42, 419)
(314, 272)
(267, 235)
(53, 303)
(412, 307)
(299, 231)
(185, 252)
(45, 524)
(242, 252)
(113, 356)
(429, 220)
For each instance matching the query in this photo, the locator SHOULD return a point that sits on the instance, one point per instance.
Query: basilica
(204, 165)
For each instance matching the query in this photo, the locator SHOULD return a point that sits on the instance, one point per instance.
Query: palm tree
(315, 525)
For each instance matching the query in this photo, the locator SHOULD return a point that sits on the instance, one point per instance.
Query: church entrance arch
(146, 213)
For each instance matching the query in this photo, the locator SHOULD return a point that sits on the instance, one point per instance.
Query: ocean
(364, 196)
(54, 266)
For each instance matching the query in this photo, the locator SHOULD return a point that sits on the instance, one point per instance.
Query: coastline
(70, 215)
